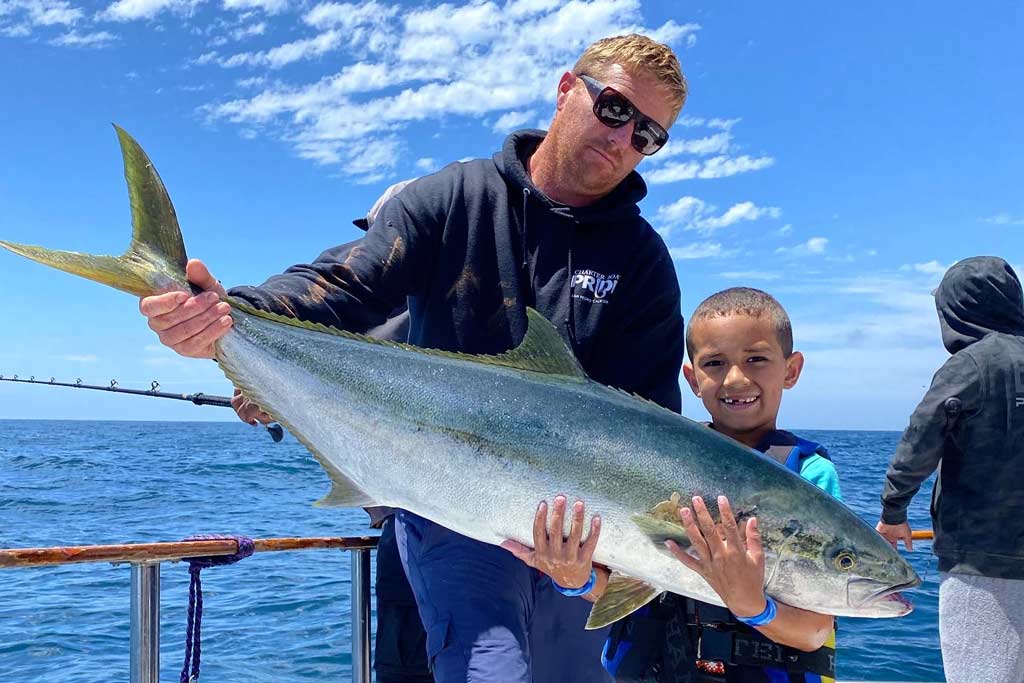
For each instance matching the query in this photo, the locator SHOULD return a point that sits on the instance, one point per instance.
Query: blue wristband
(765, 617)
(576, 592)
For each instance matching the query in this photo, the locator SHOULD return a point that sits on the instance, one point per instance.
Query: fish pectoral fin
(623, 596)
(344, 493)
(659, 528)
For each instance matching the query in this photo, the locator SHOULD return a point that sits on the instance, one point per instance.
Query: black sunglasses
(614, 110)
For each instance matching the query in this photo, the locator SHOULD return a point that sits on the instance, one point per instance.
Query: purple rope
(194, 622)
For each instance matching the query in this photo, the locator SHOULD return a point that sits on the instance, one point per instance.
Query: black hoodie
(476, 243)
(972, 422)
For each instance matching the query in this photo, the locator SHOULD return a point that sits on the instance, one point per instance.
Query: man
(550, 222)
(970, 425)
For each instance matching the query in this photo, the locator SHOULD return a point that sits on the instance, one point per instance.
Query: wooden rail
(146, 558)
(168, 552)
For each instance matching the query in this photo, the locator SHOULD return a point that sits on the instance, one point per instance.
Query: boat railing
(145, 560)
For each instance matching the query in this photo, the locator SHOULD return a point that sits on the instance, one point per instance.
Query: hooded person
(970, 426)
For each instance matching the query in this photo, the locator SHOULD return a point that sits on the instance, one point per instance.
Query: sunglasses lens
(648, 137)
(612, 109)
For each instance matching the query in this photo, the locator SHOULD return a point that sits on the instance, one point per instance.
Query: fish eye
(844, 560)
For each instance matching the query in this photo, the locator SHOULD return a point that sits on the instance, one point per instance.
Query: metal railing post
(145, 623)
(361, 616)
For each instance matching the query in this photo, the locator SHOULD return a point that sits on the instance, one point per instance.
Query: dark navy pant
(400, 651)
(491, 619)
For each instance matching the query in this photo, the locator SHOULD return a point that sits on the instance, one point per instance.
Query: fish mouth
(888, 596)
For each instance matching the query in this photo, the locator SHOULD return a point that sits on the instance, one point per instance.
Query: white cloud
(815, 245)
(205, 58)
(76, 39)
(698, 122)
(243, 32)
(785, 230)
(16, 31)
(426, 164)
(48, 12)
(348, 15)
(132, 10)
(21, 17)
(1004, 219)
(696, 250)
(485, 61)
(749, 275)
(717, 143)
(510, 121)
(282, 55)
(254, 82)
(268, 6)
(716, 167)
(929, 268)
(672, 33)
(691, 213)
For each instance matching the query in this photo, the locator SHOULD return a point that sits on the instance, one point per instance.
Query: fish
(474, 442)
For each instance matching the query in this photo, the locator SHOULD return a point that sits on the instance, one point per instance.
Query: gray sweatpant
(981, 626)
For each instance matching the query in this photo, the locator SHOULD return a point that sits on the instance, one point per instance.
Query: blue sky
(838, 155)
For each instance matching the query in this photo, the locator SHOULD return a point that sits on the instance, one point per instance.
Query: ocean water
(274, 616)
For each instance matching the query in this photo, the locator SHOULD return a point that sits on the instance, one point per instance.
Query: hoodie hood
(618, 205)
(978, 296)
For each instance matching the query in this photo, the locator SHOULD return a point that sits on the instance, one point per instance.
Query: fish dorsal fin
(662, 523)
(542, 349)
(623, 596)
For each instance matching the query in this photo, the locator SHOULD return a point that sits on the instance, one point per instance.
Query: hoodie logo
(593, 287)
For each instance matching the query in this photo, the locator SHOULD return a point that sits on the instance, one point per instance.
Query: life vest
(680, 640)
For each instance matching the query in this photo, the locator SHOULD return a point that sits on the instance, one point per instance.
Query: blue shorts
(489, 618)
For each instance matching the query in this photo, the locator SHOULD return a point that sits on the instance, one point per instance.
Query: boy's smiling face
(739, 371)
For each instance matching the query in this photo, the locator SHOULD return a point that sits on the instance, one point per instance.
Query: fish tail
(155, 260)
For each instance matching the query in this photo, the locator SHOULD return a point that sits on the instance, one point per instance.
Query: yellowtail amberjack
(474, 442)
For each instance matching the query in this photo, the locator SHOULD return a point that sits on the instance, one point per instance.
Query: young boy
(740, 346)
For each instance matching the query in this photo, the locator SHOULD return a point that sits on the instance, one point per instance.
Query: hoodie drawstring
(526, 197)
(570, 321)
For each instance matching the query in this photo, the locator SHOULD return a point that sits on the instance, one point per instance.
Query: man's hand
(731, 564)
(566, 560)
(247, 411)
(190, 324)
(897, 532)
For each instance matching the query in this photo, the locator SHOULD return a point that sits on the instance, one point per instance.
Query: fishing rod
(200, 399)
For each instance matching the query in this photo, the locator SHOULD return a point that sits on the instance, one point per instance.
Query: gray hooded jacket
(970, 425)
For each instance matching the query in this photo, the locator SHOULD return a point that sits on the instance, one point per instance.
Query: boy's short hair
(744, 301)
(637, 53)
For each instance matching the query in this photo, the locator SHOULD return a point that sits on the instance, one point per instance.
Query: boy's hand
(897, 532)
(190, 324)
(732, 566)
(567, 561)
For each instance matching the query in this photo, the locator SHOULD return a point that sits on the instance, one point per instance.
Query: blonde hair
(637, 53)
